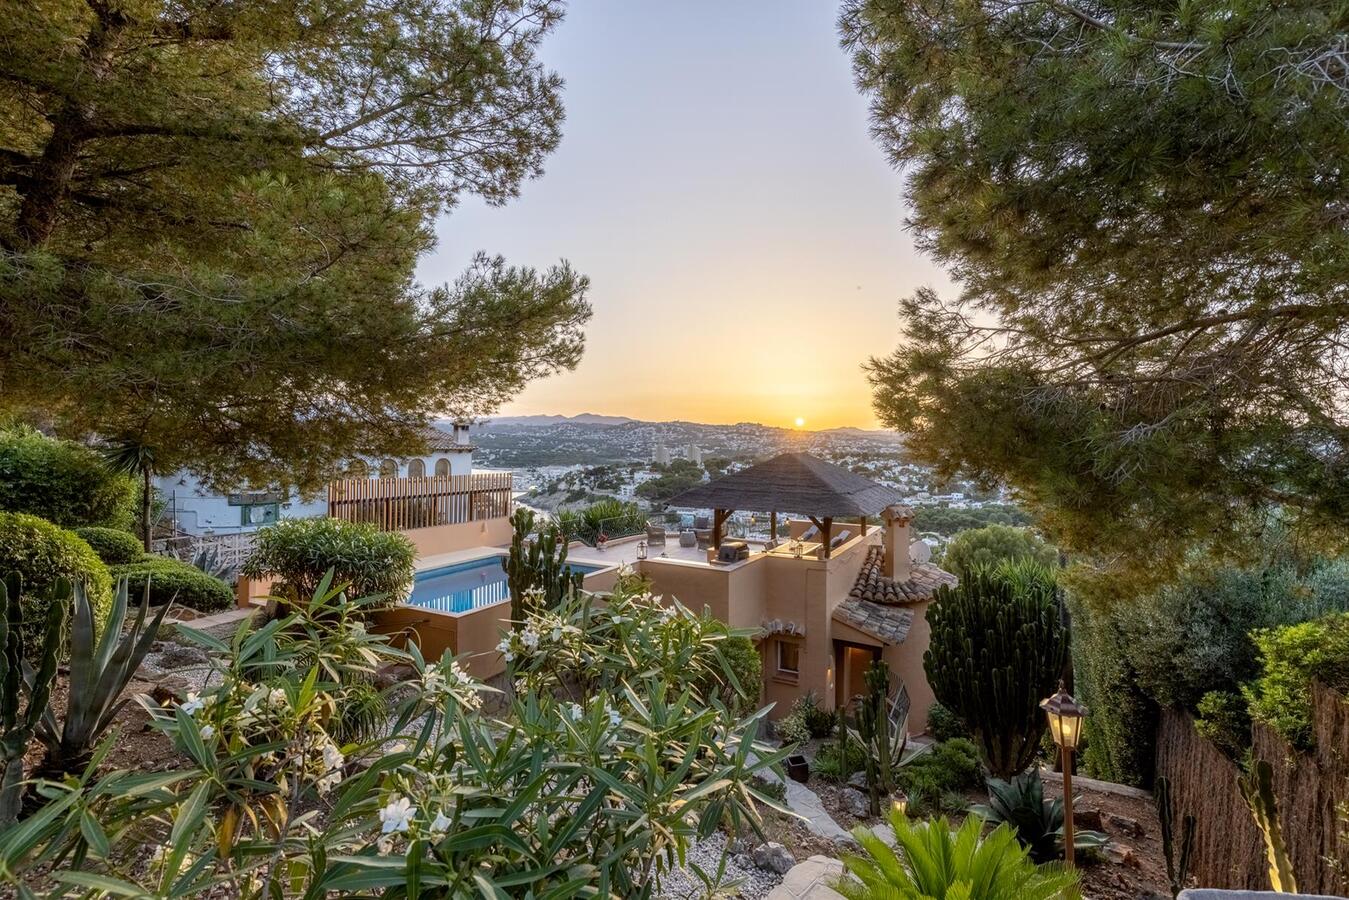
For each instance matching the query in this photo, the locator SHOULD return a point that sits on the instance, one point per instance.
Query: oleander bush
(596, 780)
(174, 580)
(40, 552)
(61, 481)
(113, 545)
(299, 552)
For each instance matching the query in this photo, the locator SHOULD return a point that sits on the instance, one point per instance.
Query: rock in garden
(858, 780)
(1088, 820)
(179, 656)
(855, 802)
(1123, 824)
(774, 857)
(1121, 854)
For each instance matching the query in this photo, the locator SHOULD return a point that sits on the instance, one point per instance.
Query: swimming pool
(469, 585)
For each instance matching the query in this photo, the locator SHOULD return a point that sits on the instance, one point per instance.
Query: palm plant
(932, 861)
(1036, 822)
(99, 672)
(131, 456)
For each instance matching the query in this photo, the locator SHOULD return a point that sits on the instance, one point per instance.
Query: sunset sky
(743, 234)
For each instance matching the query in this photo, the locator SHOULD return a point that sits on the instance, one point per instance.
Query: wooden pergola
(791, 482)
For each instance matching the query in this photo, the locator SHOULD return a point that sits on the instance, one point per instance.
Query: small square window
(789, 658)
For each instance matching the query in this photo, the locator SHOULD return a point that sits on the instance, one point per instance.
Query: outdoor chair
(809, 534)
(839, 539)
(655, 534)
(688, 539)
(703, 537)
(703, 523)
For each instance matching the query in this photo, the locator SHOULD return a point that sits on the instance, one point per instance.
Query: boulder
(1122, 824)
(855, 802)
(1088, 820)
(858, 781)
(773, 857)
(1121, 854)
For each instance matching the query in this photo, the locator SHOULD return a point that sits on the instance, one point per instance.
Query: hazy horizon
(743, 234)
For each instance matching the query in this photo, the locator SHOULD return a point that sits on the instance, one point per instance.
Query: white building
(195, 509)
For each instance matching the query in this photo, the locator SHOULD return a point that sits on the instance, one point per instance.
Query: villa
(835, 593)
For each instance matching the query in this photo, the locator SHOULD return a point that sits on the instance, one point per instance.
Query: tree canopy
(1145, 207)
(210, 216)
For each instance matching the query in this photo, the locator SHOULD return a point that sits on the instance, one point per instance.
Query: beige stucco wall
(906, 661)
(463, 536)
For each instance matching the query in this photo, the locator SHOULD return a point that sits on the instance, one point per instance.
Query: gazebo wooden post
(827, 530)
(864, 526)
(772, 526)
(719, 517)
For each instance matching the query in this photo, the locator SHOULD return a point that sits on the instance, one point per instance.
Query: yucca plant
(932, 861)
(17, 726)
(99, 672)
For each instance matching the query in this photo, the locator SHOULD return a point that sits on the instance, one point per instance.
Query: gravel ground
(682, 884)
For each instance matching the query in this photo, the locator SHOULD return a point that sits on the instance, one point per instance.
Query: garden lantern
(1065, 725)
(641, 549)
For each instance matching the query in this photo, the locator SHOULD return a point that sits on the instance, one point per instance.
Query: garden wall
(1312, 789)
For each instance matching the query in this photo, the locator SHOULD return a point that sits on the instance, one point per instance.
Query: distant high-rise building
(662, 457)
(695, 455)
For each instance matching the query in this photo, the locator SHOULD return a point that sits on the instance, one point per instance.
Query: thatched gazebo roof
(792, 482)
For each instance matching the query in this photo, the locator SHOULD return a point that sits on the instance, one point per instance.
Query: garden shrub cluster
(61, 481)
(300, 551)
(39, 553)
(113, 545)
(933, 778)
(943, 725)
(1224, 718)
(819, 722)
(994, 545)
(177, 581)
(1292, 658)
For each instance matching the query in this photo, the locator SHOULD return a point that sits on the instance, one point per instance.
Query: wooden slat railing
(401, 504)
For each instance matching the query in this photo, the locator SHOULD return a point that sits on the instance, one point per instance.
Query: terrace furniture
(732, 551)
(703, 536)
(655, 534)
(808, 534)
(839, 539)
(702, 523)
(688, 539)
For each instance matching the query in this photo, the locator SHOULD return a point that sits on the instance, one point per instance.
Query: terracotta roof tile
(872, 585)
(886, 623)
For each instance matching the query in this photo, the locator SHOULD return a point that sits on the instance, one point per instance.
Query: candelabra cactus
(884, 744)
(17, 726)
(1257, 787)
(999, 646)
(536, 571)
(1177, 864)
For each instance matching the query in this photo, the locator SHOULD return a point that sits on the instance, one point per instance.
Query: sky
(743, 235)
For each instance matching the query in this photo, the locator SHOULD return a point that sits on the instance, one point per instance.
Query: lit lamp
(1065, 725)
(641, 549)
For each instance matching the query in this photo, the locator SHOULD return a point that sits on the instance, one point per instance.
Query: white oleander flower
(277, 698)
(432, 680)
(574, 711)
(397, 815)
(207, 732)
(441, 823)
(530, 638)
(329, 781)
(615, 717)
(193, 704)
(332, 757)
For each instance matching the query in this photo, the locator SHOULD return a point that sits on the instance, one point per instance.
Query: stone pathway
(809, 880)
(806, 804)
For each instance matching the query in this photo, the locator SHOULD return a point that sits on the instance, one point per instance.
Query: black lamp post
(1065, 725)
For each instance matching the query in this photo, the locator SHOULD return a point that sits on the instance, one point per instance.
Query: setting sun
(800, 422)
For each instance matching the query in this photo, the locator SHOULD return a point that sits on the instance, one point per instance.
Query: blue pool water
(470, 585)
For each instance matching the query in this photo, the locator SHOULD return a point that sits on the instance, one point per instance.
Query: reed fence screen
(401, 504)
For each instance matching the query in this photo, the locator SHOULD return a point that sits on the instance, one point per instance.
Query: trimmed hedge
(65, 483)
(40, 552)
(300, 551)
(114, 546)
(1292, 657)
(177, 581)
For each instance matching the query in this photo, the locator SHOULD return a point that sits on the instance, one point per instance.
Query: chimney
(896, 541)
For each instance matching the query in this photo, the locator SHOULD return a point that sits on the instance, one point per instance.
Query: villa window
(388, 469)
(416, 469)
(442, 467)
(789, 659)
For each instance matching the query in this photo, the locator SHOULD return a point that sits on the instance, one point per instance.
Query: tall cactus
(17, 727)
(883, 744)
(1177, 864)
(1257, 787)
(537, 566)
(999, 646)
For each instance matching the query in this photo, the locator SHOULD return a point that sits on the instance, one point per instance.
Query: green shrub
(1225, 719)
(61, 481)
(1291, 658)
(177, 581)
(114, 546)
(993, 545)
(791, 729)
(951, 766)
(300, 551)
(819, 722)
(943, 725)
(831, 765)
(742, 658)
(41, 552)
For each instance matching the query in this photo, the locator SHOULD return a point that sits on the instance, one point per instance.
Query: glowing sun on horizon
(800, 422)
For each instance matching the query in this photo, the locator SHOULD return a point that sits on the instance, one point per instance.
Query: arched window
(358, 469)
(442, 467)
(416, 469)
(388, 469)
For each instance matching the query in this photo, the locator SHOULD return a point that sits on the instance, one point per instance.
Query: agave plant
(931, 860)
(99, 672)
(1037, 822)
(17, 727)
